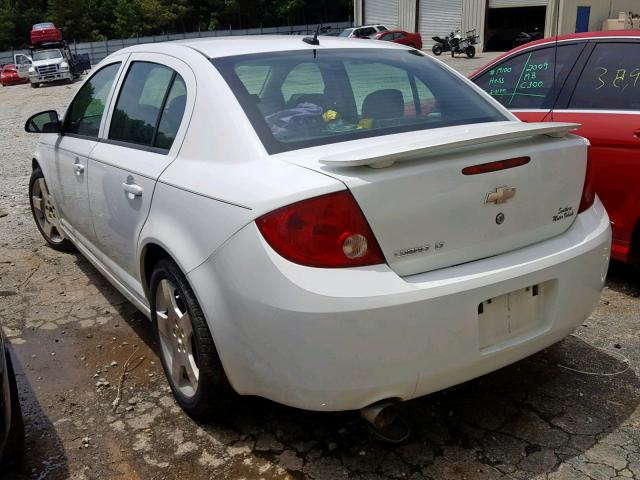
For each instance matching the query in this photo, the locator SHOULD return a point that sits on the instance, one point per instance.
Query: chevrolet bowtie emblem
(500, 195)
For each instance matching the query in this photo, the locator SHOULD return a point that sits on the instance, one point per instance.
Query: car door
(605, 100)
(22, 63)
(79, 136)
(140, 139)
(529, 81)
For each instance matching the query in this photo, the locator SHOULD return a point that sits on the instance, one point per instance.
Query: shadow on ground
(45, 456)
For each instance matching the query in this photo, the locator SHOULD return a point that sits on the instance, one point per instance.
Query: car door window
(171, 117)
(141, 99)
(610, 80)
(532, 79)
(85, 112)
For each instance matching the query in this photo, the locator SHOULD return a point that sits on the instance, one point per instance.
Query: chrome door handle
(132, 189)
(78, 168)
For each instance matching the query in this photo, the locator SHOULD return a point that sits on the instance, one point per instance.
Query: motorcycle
(526, 37)
(443, 44)
(465, 45)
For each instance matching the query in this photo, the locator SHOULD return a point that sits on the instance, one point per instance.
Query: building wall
(600, 11)
(623, 6)
(473, 17)
(407, 15)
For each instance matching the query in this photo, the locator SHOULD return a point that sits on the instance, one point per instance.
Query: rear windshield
(42, 26)
(301, 99)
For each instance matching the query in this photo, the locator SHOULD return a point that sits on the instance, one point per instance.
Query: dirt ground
(71, 333)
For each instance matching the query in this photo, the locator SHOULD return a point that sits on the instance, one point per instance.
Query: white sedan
(326, 225)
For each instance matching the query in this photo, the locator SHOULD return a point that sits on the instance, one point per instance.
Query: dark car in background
(45, 32)
(11, 425)
(592, 79)
(400, 36)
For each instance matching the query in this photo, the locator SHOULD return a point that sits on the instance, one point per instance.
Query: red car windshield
(43, 26)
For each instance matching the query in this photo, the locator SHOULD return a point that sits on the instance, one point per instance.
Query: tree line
(92, 20)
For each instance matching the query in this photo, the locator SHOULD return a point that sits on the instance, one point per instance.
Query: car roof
(218, 47)
(561, 38)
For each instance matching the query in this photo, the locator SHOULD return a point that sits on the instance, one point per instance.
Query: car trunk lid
(427, 214)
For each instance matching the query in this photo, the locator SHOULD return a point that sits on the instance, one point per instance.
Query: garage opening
(504, 25)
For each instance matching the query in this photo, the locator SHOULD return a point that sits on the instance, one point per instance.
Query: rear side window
(85, 112)
(365, 93)
(532, 79)
(149, 107)
(171, 117)
(610, 80)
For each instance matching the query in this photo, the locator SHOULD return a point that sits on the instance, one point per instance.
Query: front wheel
(437, 50)
(34, 85)
(45, 213)
(186, 349)
(470, 51)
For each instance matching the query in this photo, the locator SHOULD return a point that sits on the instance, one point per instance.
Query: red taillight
(495, 166)
(588, 192)
(329, 231)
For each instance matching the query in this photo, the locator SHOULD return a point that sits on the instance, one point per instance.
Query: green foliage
(84, 20)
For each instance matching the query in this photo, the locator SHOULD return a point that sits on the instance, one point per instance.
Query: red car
(592, 79)
(45, 32)
(400, 36)
(9, 76)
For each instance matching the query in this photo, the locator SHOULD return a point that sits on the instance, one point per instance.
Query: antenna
(314, 40)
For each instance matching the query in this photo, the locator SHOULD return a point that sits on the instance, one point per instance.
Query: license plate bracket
(513, 314)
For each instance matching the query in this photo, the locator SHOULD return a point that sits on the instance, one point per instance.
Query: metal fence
(99, 50)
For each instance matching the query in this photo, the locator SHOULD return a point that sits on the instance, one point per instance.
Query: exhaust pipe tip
(380, 414)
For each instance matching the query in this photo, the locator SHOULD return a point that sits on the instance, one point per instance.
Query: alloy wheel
(177, 342)
(45, 212)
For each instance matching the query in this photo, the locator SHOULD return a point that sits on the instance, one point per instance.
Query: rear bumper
(341, 339)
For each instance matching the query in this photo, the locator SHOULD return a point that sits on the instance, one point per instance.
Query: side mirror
(43, 122)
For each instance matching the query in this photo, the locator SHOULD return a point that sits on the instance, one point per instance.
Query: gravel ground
(71, 333)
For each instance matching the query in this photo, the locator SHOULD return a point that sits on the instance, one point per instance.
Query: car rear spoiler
(385, 155)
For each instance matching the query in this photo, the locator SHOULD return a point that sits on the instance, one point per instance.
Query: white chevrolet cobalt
(326, 224)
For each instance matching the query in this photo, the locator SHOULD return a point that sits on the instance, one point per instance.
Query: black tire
(14, 448)
(437, 50)
(34, 85)
(213, 394)
(453, 53)
(62, 245)
(470, 51)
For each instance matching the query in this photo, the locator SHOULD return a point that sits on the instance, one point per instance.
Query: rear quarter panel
(222, 178)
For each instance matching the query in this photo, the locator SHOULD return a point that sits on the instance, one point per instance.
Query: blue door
(582, 19)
